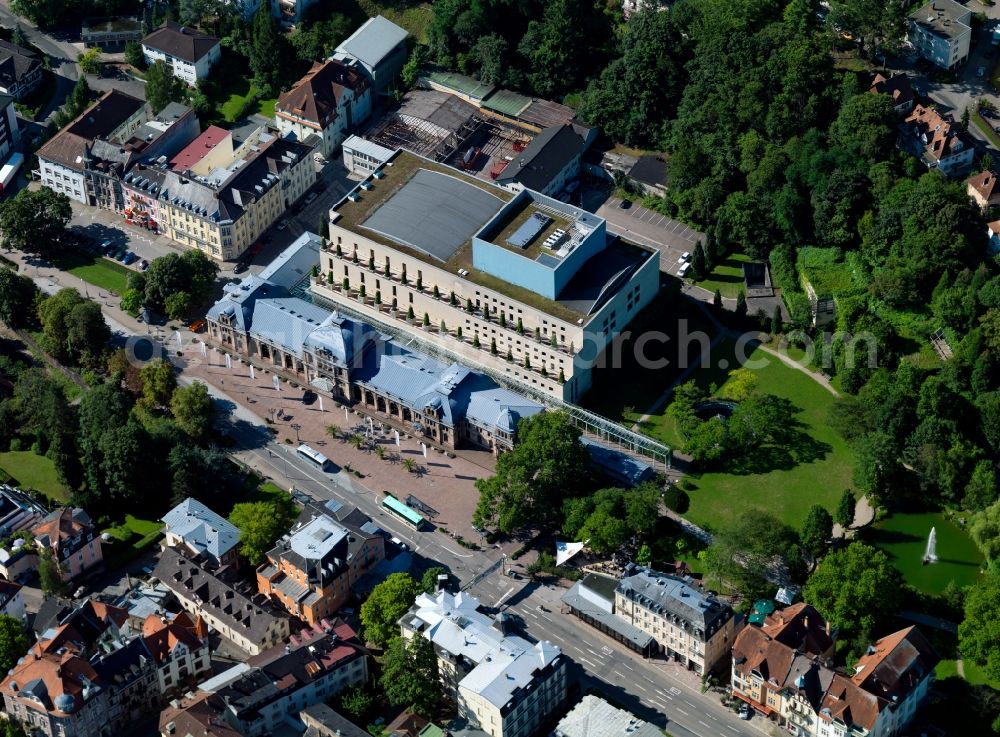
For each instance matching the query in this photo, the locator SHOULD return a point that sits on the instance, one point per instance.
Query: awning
(565, 551)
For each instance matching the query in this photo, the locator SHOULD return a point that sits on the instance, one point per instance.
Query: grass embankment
(727, 277)
(32, 471)
(97, 270)
(785, 481)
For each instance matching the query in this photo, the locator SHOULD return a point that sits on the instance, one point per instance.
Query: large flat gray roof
(435, 213)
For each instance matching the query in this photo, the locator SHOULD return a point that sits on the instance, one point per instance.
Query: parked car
(197, 326)
(282, 225)
(106, 246)
(685, 257)
(744, 711)
(683, 270)
(130, 258)
(121, 255)
(240, 267)
(143, 265)
(80, 591)
(311, 197)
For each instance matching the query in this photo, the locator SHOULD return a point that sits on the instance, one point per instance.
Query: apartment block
(258, 697)
(331, 101)
(501, 683)
(781, 668)
(378, 48)
(311, 570)
(523, 286)
(941, 32)
(688, 625)
(221, 192)
(206, 596)
(187, 52)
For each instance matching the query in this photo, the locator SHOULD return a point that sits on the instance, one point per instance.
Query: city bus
(314, 457)
(402, 511)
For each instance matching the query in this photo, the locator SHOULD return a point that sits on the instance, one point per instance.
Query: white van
(683, 270)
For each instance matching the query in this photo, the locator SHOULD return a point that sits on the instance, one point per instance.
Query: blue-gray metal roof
(371, 43)
(292, 264)
(618, 465)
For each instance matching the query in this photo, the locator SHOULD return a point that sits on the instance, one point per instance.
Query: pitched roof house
(899, 90)
(330, 101)
(73, 540)
(937, 140)
(983, 189)
(203, 532)
(20, 70)
(189, 53)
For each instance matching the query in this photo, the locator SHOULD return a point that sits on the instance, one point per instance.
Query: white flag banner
(565, 551)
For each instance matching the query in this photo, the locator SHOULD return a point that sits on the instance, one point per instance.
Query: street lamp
(296, 428)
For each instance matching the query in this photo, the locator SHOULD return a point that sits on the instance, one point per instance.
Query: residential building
(937, 140)
(73, 540)
(11, 600)
(220, 198)
(189, 53)
(501, 683)
(115, 116)
(941, 31)
(312, 569)
(20, 562)
(993, 247)
(263, 319)
(199, 715)
(330, 101)
(549, 162)
(256, 697)
(379, 48)
(322, 721)
(689, 625)
(219, 605)
(201, 531)
(290, 12)
(91, 674)
(10, 134)
(110, 34)
(408, 724)
(595, 717)
(592, 599)
(528, 288)
(780, 667)
(983, 190)
(20, 70)
(180, 648)
(107, 161)
(899, 90)
(362, 156)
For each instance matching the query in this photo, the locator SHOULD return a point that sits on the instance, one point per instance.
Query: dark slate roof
(181, 42)
(548, 154)
(187, 578)
(69, 146)
(650, 169)
(325, 722)
(16, 62)
(668, 595)
(315, 96)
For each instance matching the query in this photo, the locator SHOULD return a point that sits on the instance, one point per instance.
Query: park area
(29, 470)
(727, 277)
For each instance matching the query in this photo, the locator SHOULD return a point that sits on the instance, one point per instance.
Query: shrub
(676, 499)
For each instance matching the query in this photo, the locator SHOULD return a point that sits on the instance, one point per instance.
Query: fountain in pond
(930, 554)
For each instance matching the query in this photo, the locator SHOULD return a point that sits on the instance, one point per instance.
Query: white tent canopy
(565, 551)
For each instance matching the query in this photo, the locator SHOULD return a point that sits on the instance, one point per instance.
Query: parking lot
(646, 227)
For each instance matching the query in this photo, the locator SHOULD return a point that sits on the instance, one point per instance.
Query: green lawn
(233, 107)
(130, 539)
(96, 270)
(727, 277)
(416, 18)
(35, 472)
(778, 481)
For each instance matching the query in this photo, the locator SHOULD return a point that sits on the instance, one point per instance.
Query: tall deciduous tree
(856, 589)
(49, 577)
(816, 530)
(387, 603)
(17, 294)
(844, 515)
(752, 549)
(265, 50)
(193, 409)
(260, 525)
(162, 87)
(34, 221)
(979, 632)
(546, 466)
(158, 383)
(13, 641)
(410, 675)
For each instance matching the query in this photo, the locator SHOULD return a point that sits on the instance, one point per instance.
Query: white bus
(314, 456)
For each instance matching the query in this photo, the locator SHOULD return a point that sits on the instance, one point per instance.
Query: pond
(904, 538)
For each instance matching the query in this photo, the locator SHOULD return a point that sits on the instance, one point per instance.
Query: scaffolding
(598, 428)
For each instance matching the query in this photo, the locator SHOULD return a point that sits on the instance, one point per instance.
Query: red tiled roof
(163, 636)
(984, 183)
(198, 148)
(898, 88)
(940, 136)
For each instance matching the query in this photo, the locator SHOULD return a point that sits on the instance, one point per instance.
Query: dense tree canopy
(17, 295)
(35, 220)
(857, 590)
(387, 603)
(410, 675)
(191, 272)
(548, 465)
(260, 525)
(13, 641)
(162, 87)
(979, 632)
(73, 328)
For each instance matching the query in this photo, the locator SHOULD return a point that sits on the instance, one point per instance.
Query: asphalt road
(62, 54)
